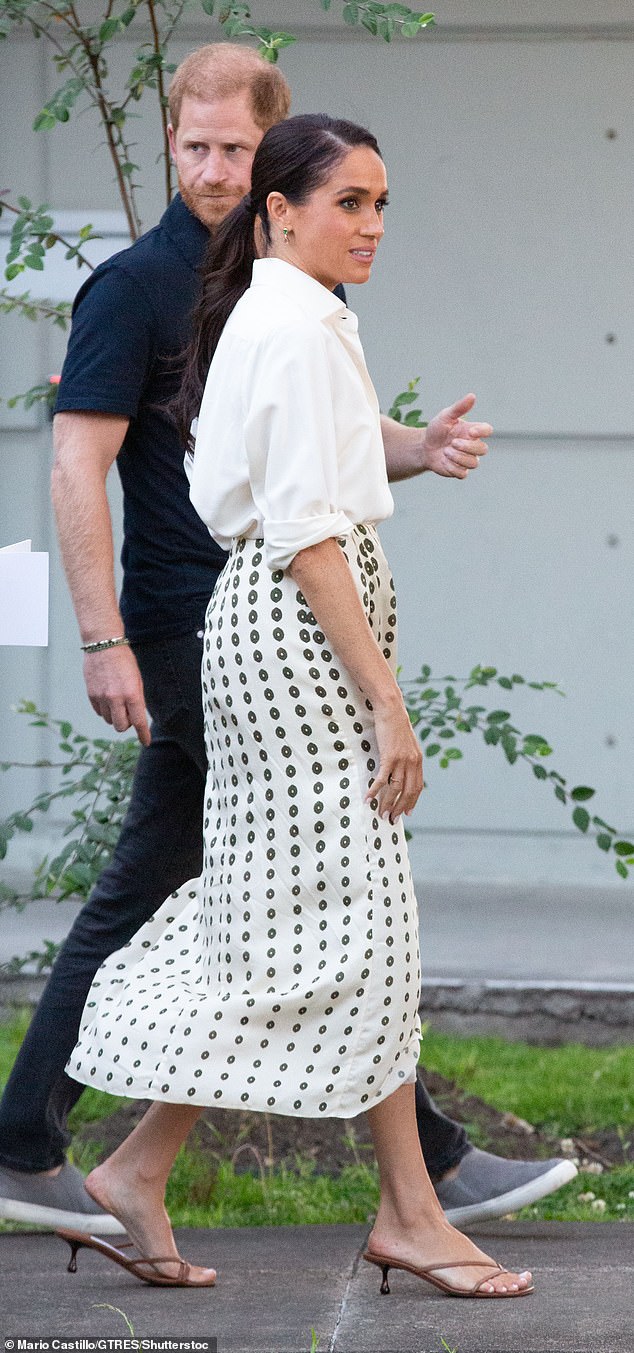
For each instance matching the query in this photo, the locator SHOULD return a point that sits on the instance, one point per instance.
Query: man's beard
(209, 208)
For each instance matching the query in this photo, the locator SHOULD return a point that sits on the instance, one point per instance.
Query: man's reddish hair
(222, 69)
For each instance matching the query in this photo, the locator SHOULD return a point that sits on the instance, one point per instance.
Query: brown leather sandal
(76, 1239)
(429, 1274)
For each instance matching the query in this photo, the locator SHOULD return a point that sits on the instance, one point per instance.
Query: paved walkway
(274, 1284)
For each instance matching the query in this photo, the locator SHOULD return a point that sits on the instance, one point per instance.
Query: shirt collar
(310, 294)
(185, 230)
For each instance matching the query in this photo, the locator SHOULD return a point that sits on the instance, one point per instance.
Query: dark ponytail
(226, 274)
(293, 158)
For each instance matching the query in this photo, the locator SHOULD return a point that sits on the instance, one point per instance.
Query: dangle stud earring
(285, 232)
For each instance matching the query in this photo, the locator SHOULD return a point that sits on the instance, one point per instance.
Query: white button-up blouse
(288, 442)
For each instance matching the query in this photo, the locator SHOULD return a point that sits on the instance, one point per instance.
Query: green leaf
(22, 822)
(208, 7)
(509, 745)
(351, 14)
(598, 822)
(533, 745)
(581, 793)
(560, 794)
(44, 122)
(108, 29)
(622, 869)
(624, 848)
(498, 716)
(433, 749)
(581, 819)
(604, 841)
(540, 773)
(506, 683)
(492, 735)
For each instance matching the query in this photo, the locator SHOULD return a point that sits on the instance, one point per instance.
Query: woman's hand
(323, 575)
(400, 776)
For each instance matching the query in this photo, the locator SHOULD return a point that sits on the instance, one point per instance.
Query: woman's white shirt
(288, 441)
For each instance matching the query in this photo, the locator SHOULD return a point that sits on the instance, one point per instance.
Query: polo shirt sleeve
(110, 348)
(291, 445)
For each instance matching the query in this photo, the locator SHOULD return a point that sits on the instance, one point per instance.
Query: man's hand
(115, 690)
(452, 447)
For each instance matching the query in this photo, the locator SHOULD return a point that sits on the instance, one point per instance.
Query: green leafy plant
(439, 711)
(384, 21)
(413, 418)
(96, 773)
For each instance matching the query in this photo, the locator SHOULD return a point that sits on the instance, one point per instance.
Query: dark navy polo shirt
(130, 318)
(131, 315)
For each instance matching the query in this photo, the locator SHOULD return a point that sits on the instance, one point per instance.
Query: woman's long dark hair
(294, 158)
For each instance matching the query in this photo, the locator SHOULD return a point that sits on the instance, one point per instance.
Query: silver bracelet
(99, 646)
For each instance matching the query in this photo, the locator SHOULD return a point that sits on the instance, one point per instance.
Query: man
(131, 319)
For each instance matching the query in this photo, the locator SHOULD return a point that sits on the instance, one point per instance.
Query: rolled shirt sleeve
(291, 444)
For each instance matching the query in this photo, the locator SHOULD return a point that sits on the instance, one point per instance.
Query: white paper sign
(23, 595)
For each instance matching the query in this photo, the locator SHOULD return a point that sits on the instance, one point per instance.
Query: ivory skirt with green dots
(286, 978)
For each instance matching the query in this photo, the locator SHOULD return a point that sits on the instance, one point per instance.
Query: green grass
(278, 1197)
(615, 1188)
(568, 1091)
(11, 1035)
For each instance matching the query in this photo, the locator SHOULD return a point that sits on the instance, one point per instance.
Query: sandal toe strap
(488, 1278)
(183, 1267)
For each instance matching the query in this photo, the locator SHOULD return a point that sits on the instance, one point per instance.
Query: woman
(286, 978)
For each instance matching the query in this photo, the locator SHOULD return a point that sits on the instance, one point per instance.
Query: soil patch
(255, 1140)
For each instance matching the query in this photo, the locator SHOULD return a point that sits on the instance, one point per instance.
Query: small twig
(161, 93)
(586, 1150)
(269, 1140)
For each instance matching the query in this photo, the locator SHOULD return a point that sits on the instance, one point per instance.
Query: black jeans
(159, 848)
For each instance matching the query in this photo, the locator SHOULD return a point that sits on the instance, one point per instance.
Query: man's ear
(171, 136)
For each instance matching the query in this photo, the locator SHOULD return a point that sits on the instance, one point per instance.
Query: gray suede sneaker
(489, 1186)
(53, 1200)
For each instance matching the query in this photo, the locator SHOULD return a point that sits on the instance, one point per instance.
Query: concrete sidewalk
(275, 1284)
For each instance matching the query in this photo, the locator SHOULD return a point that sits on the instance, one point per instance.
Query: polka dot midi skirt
(286, 978)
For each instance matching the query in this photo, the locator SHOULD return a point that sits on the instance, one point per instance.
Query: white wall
(506, 265)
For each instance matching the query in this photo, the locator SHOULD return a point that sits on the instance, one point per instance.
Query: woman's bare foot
(424, 1245)
(142, 1212)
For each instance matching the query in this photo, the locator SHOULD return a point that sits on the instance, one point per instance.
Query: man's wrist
(421, 449)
